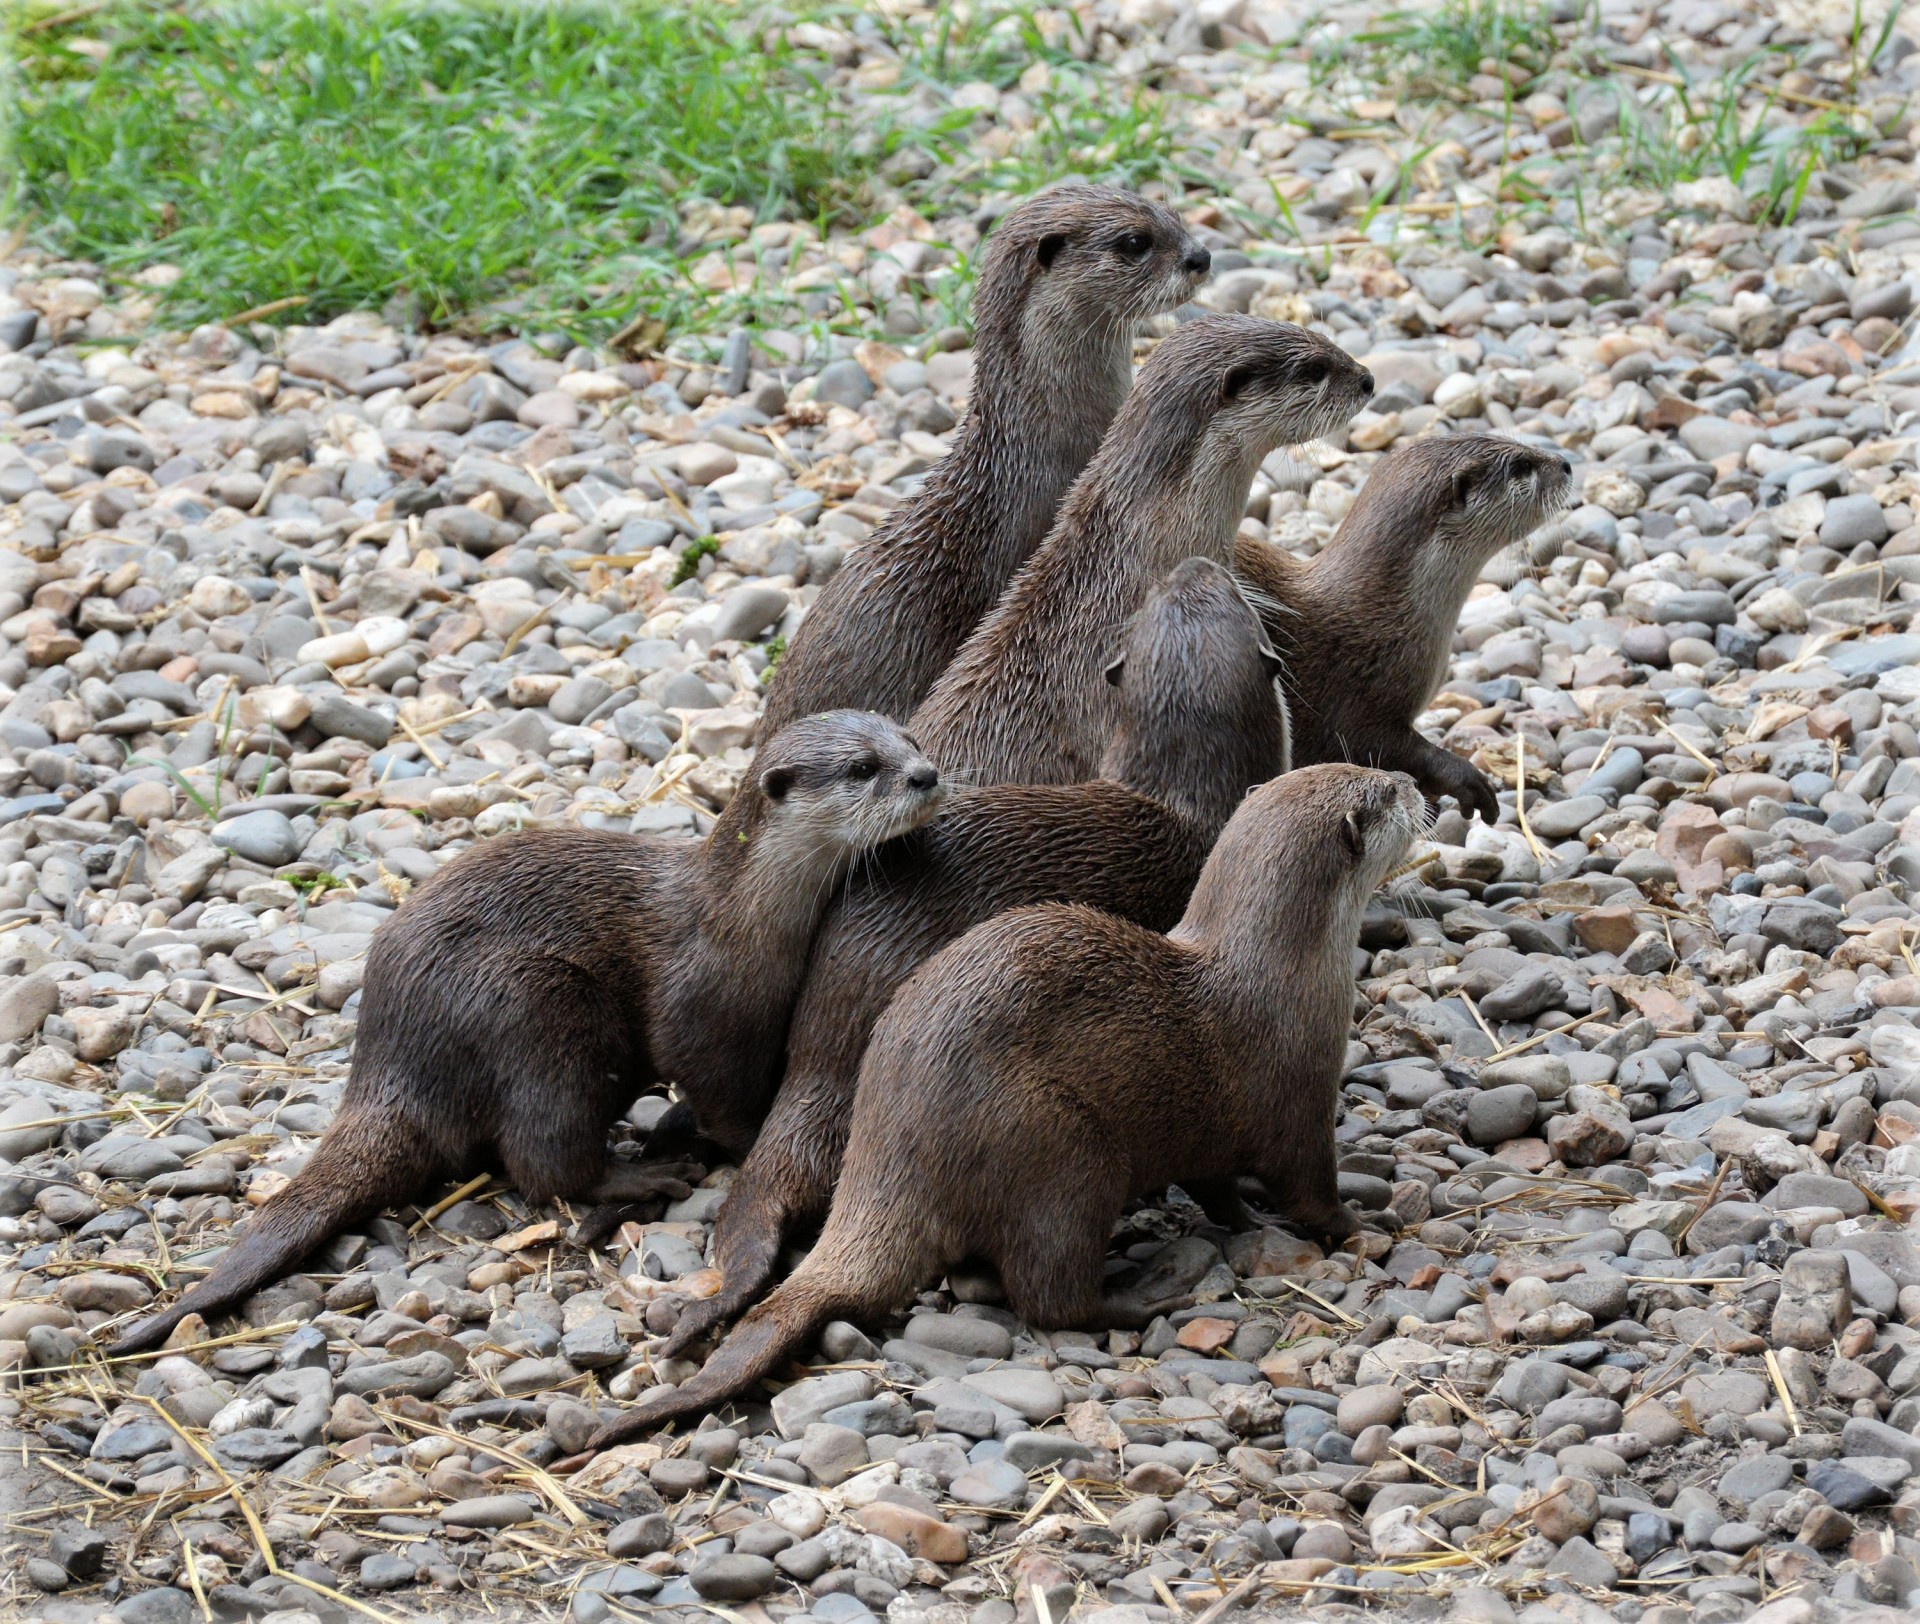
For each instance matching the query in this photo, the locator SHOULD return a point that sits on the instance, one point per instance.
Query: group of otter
(1188, 760)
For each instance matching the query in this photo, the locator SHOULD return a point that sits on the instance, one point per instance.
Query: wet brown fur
(1365, 628)
(1023, 701)
(1055, 1061)
(539, 984)
(1199, 726)
(1054, 315)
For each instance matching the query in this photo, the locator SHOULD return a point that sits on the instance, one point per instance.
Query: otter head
(1222, 391)
(1347, 827)
(1296, 863)
(1439, 506)
(841, 781)
(1200, 719)
(1080, 259)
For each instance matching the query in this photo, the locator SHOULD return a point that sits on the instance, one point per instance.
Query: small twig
(478, 1182)
(1231, 1599)
(313, 598)
(1541, 1037)
(1520, 807)
(272, 307)
(1780, 1387)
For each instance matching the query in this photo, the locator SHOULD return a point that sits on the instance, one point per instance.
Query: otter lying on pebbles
(535, 987)
(1054, 1061)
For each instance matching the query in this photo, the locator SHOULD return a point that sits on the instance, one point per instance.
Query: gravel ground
(291, 616)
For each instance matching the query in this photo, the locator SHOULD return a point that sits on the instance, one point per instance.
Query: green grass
(498, 165)
(1442, 46)
(457, 154)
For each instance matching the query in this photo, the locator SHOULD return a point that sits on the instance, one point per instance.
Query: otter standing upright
(1367, 625)
(1023, 702)
(1064, 280)
(543, 981)
(1199, 726)
(1054, 1061)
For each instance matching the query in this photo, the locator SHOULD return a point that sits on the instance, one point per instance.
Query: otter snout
(923, 775)
(1197, 262)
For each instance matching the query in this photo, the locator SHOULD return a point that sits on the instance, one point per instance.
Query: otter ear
(1350, 832)
(1463, 484)
(1271, 662)
(1236, 381)
(775, 782)
(1048, 250)
(1115, 667)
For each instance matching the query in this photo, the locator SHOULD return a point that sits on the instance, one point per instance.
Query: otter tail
(849, 1275)
(365, 1162)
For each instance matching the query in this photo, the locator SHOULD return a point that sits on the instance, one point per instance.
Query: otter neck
(1421, 604)
(1038, 409)
(766, 873)
(1201, 768)
(1134, 528)
(1273, 946)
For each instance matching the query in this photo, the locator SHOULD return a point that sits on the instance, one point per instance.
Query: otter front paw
(1328, 1225)
(1469, 786)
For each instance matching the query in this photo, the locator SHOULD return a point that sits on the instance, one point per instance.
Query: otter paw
(696, 1320)
(1329, 1226)
(1470, 788)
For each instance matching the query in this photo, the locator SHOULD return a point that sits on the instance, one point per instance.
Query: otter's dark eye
(1133, 245)
(863, 769)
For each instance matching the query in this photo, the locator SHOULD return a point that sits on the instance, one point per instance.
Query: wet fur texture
(1199, 726)
(1366, 627)
(1053, 1062)
(1024, 700)
(540, 983)
(1054, 315)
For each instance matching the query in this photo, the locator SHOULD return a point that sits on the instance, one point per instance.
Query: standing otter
(1064, 280)
(540, 983)
(1200, 725)
(1367, 625)
(1024, 702)
(1054, 1061)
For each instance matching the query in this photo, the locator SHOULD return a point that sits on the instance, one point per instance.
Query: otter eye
(1350, 833)
(1133, 245)
(863, 769)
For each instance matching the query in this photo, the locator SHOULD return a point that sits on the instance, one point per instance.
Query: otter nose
(1198, 260)
(923, 775)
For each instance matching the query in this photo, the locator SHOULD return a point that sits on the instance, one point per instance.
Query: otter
(1023, 701)
(1064, 280)
(1365, 628)
(1199, 725)
(1053, 1062)
(541, 982)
